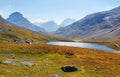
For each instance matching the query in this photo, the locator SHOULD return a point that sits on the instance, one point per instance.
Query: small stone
(28, 63)
(98, 67)
(9, 71)
(55, 75)
(47, 58)
(12, 56)
(110, 58)
(46, 64)
(7, 62)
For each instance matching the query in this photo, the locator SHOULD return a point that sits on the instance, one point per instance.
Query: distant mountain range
(101, 25)
(18, 19)
(51, 26)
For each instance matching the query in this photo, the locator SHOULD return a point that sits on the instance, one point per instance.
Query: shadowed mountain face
(18, 19)
(101, 25)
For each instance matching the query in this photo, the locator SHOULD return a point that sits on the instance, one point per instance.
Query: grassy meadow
(41, 60)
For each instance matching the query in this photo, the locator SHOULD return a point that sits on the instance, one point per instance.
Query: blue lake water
(84, 45)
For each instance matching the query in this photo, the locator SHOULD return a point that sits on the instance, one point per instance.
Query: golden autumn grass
(18, 32)
(10, 32)
(49, 60)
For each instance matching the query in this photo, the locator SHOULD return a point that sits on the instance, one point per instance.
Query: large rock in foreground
(69, 68)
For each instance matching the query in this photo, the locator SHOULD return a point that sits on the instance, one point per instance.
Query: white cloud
(58, 21)
(43, 20)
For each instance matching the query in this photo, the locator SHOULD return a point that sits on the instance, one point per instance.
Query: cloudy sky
(57, 10)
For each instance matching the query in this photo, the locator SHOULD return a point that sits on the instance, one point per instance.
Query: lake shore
(110, 43)
(83, 45)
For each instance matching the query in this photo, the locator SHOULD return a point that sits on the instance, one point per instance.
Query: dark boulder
(69, 68)
(69, 54)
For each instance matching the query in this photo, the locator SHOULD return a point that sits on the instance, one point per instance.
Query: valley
(58, 44)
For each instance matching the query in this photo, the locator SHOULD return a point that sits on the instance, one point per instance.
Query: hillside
(13, 33)
(101, 25)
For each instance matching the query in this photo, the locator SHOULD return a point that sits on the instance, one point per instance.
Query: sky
(57, 10)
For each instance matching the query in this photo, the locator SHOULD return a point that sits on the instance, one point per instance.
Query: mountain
(49, 26)
(101, 25)
(18, 19)
(15, 34)
(66, 22)
(3, 21)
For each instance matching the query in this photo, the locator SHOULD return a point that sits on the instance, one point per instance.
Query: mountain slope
(13, 33)
(18, 19)
(66, 22)
(2, 21)
(101, 25)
